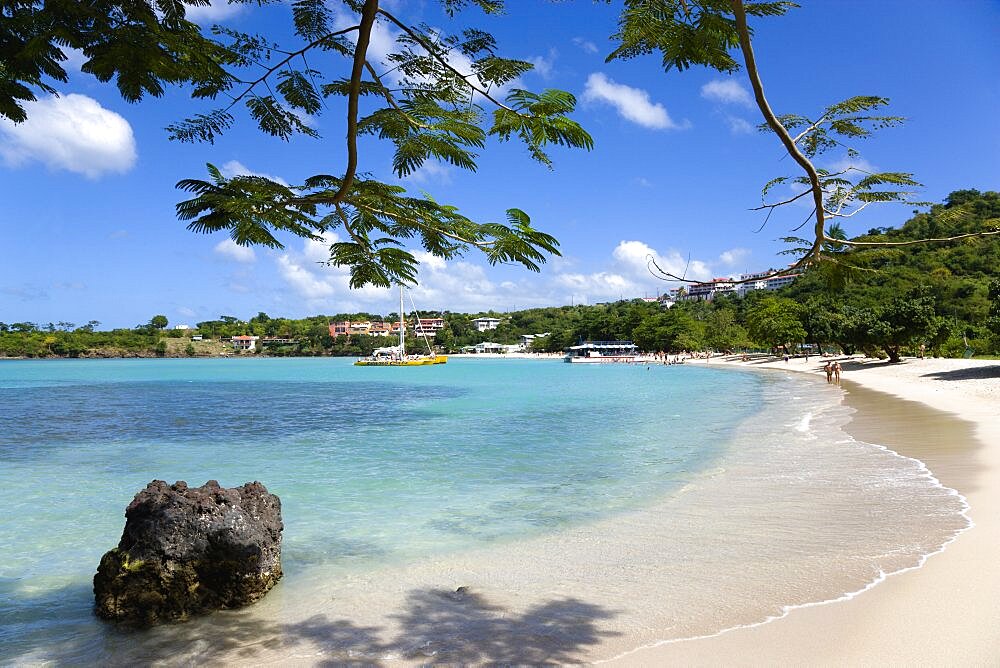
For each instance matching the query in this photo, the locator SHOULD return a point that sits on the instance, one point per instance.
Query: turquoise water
(374, 466)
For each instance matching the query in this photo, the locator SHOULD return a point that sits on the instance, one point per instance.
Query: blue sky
(87, 188)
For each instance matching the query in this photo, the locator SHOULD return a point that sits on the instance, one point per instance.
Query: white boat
(396, 355)
(603, 352)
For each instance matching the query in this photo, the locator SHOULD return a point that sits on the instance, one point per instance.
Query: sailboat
(396, 355)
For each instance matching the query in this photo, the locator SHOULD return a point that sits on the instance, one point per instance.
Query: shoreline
(524, 581)
(873, 627)
(943, 611)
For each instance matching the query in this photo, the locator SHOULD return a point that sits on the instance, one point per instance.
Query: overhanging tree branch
(912, 242)
(777, 204)
(765, 109)
(387, 94)
(290, 56)
(368, 13)
(431, 51)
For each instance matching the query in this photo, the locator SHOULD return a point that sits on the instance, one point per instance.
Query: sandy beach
(946, 612)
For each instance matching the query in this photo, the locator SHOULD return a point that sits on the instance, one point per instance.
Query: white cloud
(585, 45)
(458, 285)
(217, 11)
(75, 59)
(632, 103)
(464, 286)
(644, 182)
(241, 288)
(237, 168)
(72, 132)
(230, 249)
(628, 275)
(318, 250)
(727, 91)
(738, 126)
(382, 41)
(543, 64)
(848, 163)
(734, 256)
(598, 286)
(431, 171)
(322, 286)
(186, 312)
(304, 280)
(635, 257)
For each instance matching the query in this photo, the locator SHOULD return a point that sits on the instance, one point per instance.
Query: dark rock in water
(187, 551)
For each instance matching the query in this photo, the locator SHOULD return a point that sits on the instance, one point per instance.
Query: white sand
(944, 613)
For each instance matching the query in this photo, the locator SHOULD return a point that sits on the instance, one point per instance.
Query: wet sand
(945, 413)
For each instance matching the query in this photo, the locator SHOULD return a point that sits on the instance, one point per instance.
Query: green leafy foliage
(423, 104)
(427, 109)
(142, 45)
(774, 321)
(685, 32)
(894, 324)
(710, 33)
(539, 120)
(955, 277)
(375, 216)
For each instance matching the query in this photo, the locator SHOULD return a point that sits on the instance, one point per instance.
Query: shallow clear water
(578, 502)
(372, 465)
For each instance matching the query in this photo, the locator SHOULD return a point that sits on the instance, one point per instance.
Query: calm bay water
(379, 469)
(372, 465)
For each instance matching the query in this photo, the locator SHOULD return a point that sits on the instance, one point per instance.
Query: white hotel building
(728, 286)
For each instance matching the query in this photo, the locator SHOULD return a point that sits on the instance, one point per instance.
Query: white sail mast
(402, 326)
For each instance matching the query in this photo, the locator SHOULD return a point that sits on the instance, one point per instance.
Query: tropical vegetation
(884, 300)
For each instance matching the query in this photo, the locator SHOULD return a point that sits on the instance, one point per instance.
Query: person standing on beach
(836, 372)
(828, 368)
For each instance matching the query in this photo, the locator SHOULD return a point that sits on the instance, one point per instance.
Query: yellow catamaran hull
(420, 361)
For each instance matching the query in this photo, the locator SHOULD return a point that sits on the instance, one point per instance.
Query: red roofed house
(245, 342)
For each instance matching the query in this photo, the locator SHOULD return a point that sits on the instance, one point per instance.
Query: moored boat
(396, 355)
(603, 352)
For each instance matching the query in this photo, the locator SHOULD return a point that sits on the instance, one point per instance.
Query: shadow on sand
(434, 626)
(972, 373)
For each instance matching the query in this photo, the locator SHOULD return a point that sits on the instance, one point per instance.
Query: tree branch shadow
(971, 373)
(968, 373)
(463, 627)
(434, 626)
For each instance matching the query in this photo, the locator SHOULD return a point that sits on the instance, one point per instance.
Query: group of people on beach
(667, 358)
(832, 370)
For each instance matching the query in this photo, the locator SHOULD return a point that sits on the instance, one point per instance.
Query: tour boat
(396, 355)
(603, 352)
